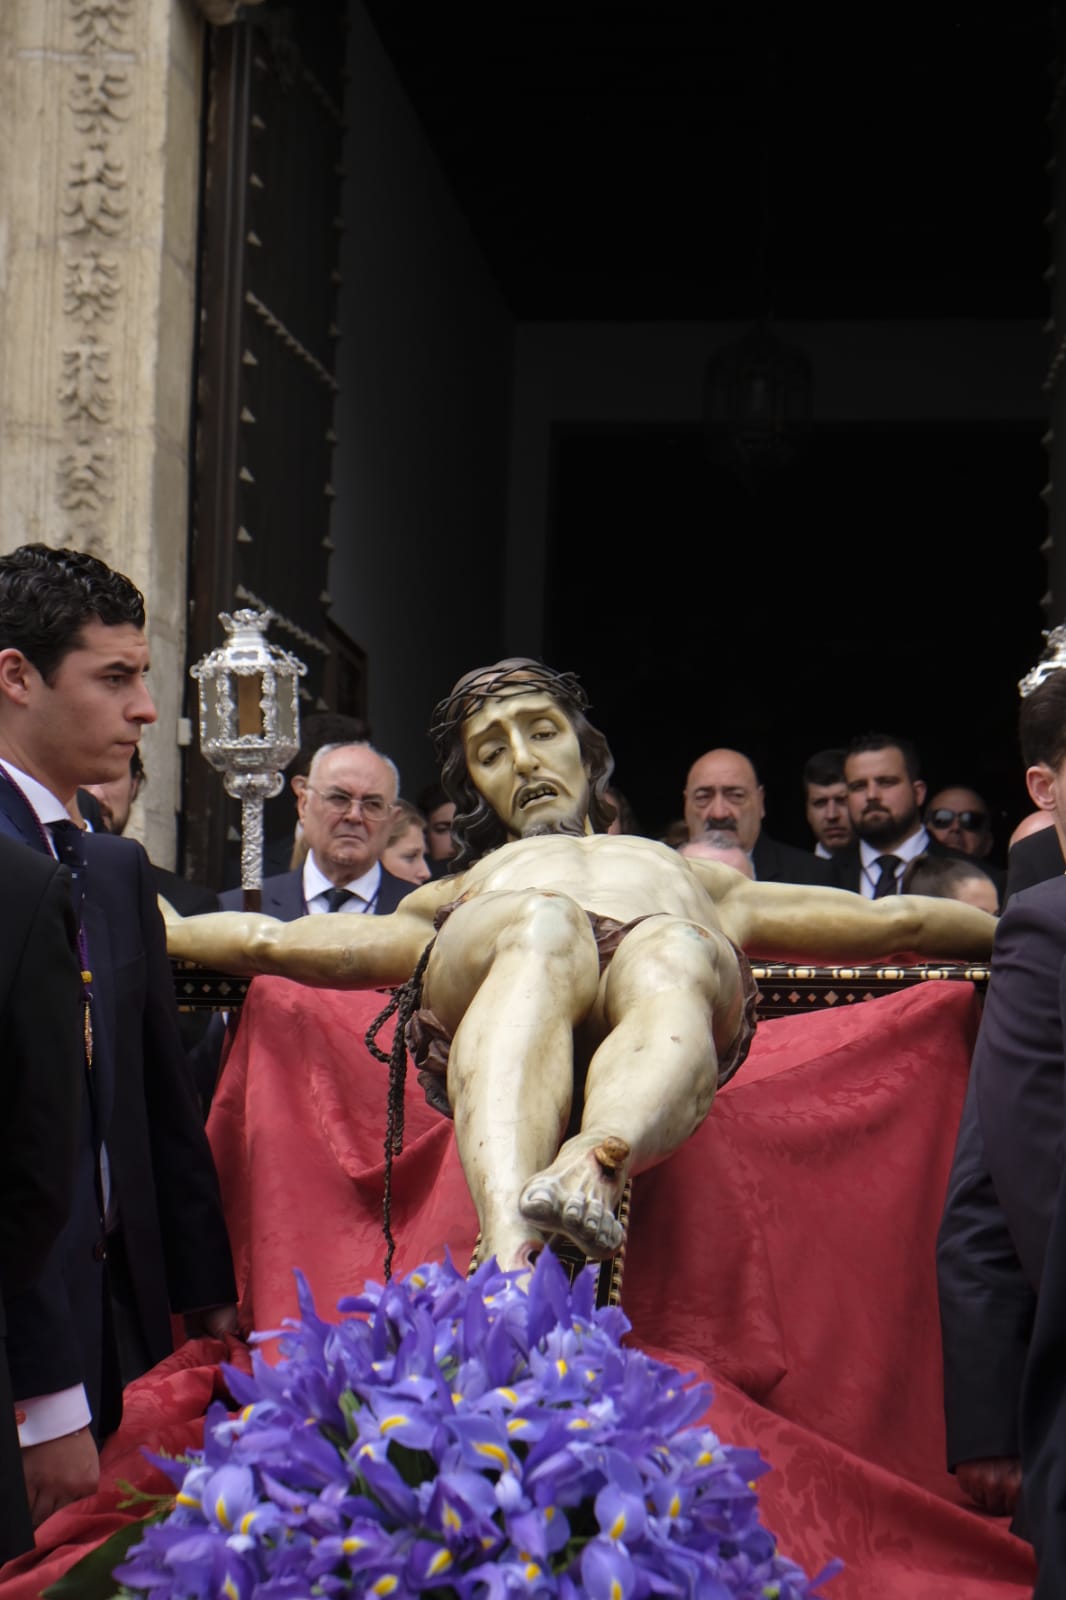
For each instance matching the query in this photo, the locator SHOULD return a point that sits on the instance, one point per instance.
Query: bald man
(723, 796)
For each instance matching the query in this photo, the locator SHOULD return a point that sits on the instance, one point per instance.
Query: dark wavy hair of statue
(476, 828)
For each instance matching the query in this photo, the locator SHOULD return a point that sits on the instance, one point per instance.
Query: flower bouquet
(463, 1438)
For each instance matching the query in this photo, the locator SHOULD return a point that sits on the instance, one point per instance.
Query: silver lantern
(249, 726)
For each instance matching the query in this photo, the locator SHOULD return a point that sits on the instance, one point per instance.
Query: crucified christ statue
(568, 964)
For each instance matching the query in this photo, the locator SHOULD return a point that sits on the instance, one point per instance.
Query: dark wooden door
(269, 252)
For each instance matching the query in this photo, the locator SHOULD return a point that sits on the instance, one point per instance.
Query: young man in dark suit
(345, 806)
(1042, 736)
(146, 1235)
(41, 1020)
(993, 1237)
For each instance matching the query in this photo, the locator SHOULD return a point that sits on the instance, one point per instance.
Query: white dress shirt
(868, 854)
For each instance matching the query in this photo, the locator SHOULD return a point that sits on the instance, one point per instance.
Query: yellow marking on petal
(247, 1520)
(616, 1589)
(221, 1513)
(452, 1519)
(229, 1588)
(246, 1413)
(549, 1512)
(353, 1544)
(394, 1422)
(183, 1499)
(385, 1584)
(418, 1280)
(494, 1452)
(532, 1571)
(579, 1422)
(518, 1425)
(487, 1541)
(366, 1449)
(705, 1458)
(675, 1506)
(456, 1397)
(509, 1394)
(561, 1367)
(618, 1526)
(440, 1563)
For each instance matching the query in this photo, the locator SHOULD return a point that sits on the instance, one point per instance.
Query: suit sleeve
(1018, 1068)
(196, 1248)
(986, 1306)
(43, 1057)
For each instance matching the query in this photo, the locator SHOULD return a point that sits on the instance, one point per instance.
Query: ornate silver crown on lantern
(249, 724)
(1052, 660)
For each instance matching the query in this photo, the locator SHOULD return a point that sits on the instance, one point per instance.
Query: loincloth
(430, 1042)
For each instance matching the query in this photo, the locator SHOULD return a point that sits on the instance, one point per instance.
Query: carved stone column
(99, 173)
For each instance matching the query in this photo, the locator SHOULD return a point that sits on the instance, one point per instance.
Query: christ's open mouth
(536, 791)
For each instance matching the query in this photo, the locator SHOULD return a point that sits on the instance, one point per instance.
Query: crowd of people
(543, 949)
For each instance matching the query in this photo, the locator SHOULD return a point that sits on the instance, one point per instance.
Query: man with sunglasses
(345, 806)
(958, 818)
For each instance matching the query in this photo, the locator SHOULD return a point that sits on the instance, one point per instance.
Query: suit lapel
(17, 817)
(283, 897)
(98, 942)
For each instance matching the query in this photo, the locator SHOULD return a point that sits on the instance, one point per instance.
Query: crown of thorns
(501, 683)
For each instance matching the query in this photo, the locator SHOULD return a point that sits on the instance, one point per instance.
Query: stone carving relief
(95, 216)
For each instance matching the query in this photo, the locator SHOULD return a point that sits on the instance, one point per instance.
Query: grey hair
(355, 744)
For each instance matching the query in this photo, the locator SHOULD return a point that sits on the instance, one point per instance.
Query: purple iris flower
(476, 1437)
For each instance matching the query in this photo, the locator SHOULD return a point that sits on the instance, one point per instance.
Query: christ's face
(525, 761)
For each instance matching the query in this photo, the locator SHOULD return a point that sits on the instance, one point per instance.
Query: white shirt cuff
(51, 1416)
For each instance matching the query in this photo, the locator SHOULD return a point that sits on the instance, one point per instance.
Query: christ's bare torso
(612, 875)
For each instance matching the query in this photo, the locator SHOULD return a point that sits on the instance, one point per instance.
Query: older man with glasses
(345, 807)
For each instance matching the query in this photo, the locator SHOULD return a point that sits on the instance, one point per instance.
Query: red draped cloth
(785, 1254)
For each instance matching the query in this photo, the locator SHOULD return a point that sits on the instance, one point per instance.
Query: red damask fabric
(785, 1254)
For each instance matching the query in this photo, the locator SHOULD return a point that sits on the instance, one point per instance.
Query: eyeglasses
(339, 802)
(972, 821)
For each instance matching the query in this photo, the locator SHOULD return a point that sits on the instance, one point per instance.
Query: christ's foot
(576, 1196)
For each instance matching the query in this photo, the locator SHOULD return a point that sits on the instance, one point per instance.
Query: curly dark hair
(47, 596)
(476, 828)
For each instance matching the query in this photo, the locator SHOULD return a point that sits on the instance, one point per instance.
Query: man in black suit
(1043, 1407)
(345, 809)
(146, 1234)
(993, 1236)
(723, 796)
(885, 797)
(41, 1019)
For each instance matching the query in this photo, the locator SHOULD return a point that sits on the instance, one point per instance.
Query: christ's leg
(511, 975)
(671, 1002)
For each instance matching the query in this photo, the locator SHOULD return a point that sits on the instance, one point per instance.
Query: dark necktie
(886, 883)
(335, 898)
(68, 842)
(67, 839)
